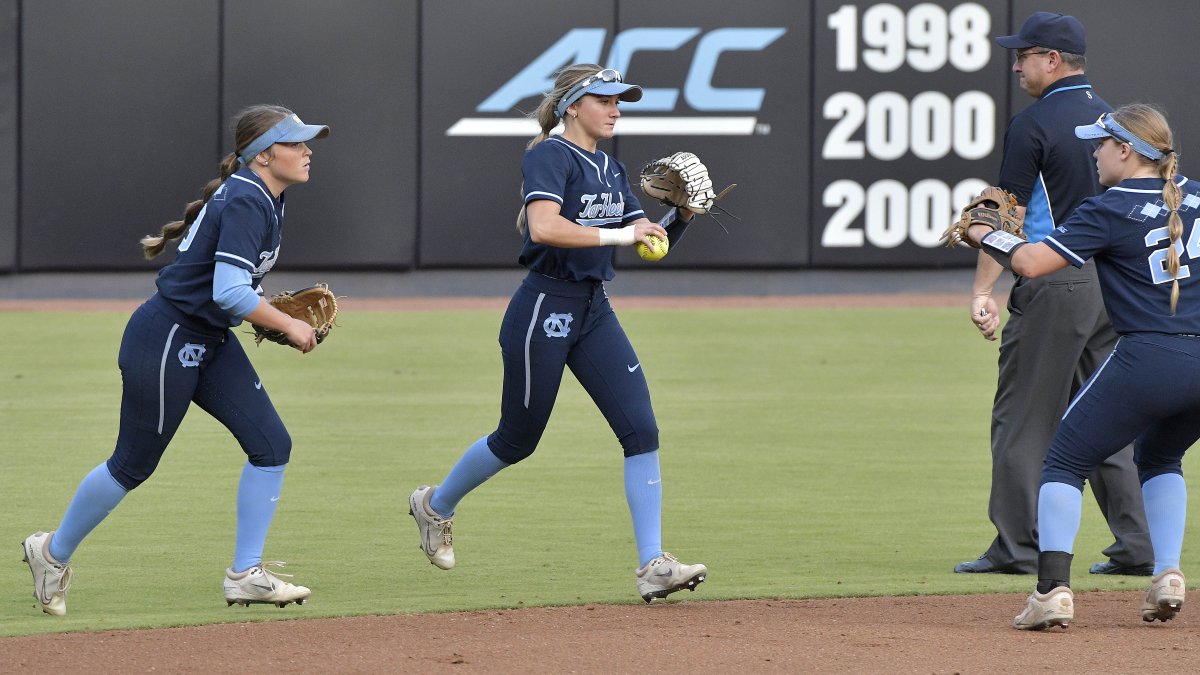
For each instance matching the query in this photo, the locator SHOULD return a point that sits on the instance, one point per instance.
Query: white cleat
(259, 586)
(1166, 595)
(1056, 608)
(437, 537)
(51, 579)
(664, 575)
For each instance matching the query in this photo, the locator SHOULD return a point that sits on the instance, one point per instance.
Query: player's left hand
(994, 209)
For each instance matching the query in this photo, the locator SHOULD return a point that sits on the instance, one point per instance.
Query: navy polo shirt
(241, 224)
(1045, 166)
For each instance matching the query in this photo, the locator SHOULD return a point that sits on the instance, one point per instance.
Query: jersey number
(1158, 259)
(187, 241)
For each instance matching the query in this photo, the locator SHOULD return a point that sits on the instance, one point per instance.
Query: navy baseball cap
(287, 130)
(607, 82)
(1047, 29)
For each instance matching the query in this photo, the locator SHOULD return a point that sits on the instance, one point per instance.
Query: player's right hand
(644, 228)
(985, 315)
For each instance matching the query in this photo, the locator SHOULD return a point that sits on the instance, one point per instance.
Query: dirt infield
(856, 635)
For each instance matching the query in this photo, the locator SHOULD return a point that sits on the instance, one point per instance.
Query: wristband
(1001, 246)
(621, 236)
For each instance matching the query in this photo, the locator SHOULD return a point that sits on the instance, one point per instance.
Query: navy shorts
(551, 324)
(167, 362)
(1148, 391)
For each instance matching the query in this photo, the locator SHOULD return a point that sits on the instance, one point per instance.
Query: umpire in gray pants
(1058, 332)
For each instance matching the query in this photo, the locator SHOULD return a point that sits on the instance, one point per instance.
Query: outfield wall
(852, 128)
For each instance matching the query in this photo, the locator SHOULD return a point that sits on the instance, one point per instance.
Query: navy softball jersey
(560, 316)
(177, 348)
(593, 191)
(242, 225)
(1125, 230)
(1045, 166)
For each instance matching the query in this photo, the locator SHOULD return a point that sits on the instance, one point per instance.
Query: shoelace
(665, 557)
(447, 533)
(64, 582)
(274, 563)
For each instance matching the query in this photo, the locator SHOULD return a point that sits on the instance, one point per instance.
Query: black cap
(1046, 29)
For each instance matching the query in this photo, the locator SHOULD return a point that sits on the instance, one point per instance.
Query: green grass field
(805, 453)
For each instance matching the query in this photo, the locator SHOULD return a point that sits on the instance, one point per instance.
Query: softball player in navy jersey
(178, 349)
(578, 204)
(1143, 233)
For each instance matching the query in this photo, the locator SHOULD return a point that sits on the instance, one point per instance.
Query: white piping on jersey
(599, 176)
(533, 322)
(1049, 206)
(1064, 249)
(268, 196)
(1180, 183)
(162, 376)
(551, 195)
(1094, 377)
(265, 194)
(235, 257)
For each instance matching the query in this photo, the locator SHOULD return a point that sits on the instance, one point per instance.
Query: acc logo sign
(584, 45)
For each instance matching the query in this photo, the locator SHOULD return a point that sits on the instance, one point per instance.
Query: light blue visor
(1107, 126)
(604, 83)
(287, 130)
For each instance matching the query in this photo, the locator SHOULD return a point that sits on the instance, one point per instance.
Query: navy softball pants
(551, 324)
(167, 362)
(1148, 391)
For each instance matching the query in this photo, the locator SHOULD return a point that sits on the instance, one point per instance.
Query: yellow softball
(655, 251)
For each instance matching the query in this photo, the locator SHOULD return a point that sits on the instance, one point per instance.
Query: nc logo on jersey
(557, 325)
(191, 355)
(585, 45)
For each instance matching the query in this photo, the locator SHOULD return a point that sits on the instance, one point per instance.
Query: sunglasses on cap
(1107, 125)
(576, 92)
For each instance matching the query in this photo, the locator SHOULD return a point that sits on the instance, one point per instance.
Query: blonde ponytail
(1172, 195)
(1150, 124)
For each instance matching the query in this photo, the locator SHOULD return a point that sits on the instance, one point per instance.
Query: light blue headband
(1107, 125)
(607, 82)
(287, 130)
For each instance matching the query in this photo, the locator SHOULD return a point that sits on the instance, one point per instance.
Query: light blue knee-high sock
(1060, 507)
(98, 494)
(1165, 496)
(476, 465)
(643, 491)
(258, 493)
